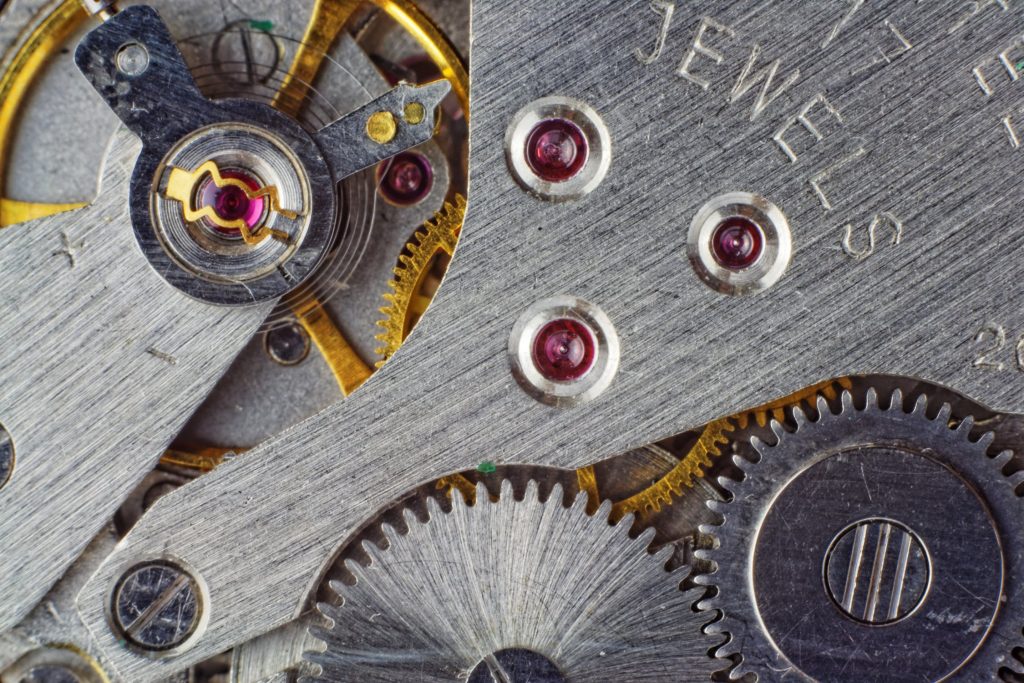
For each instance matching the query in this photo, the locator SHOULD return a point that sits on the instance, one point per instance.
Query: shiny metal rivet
(157, 606)
(602, 369)
(516, 665)
(6, 456)
(382, 127)
(598, 140)
(776, 251)
(287, 344)
(877, 572)
(132, 59)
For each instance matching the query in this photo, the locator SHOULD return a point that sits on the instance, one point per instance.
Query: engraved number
(993, 339)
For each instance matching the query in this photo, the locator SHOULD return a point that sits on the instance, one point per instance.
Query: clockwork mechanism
(545, 342)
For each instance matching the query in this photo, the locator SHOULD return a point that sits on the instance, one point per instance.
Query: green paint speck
(261, 25)
(486, 467)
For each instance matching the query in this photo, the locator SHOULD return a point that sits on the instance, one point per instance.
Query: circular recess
(198, 201)
(6, 456)
(405, 179)
(157, 606)
(236, 213)
(287, 344)
(739, 243)
(558, 148)
(877, 571)
(132, 59)
(516, 665)
(563, 351)
(54, 664)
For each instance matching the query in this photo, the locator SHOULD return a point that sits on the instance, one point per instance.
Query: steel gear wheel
(839, 558)
(405, 307)
(514, 585)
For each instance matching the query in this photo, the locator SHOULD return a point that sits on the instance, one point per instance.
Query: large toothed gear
(524, 587)
(870, 545)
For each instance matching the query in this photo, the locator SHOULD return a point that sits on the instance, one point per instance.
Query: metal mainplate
(918, 150)
(101, 363)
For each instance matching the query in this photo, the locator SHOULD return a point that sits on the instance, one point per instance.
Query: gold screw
(415, 113)
(382, 127)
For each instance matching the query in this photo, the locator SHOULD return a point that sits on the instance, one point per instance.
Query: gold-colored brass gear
(702, 454)
(407, 301)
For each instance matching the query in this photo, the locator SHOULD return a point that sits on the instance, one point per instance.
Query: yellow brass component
(693, 465)
(348, 368)
(182, 184)
(203, 460)
(13, 212)
(327, 21)
(433, 42)
(587, 480)
(405, 302)
(414, 113)
(381, 127)
(776, 410)
(690, 468)
(32, 55)
(461, 483)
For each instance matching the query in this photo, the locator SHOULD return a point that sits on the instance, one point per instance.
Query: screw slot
(877, 572)
(157, 606)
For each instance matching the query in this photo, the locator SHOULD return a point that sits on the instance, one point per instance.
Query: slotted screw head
(157, 606)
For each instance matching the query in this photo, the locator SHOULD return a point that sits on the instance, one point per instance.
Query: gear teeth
(646, 537)
(637, 590)
(871, 400)
(986, 440)
(799, 416)
(736, 611)
(821, 404)
(434, 237)
(532, 493)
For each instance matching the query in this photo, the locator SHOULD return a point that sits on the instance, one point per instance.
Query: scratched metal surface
(919, 143)
(101, 362)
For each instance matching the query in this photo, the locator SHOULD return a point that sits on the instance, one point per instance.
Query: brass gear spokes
(709, 446)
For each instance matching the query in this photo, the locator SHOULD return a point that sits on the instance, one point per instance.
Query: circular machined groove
(841, 560)
(549, 379)
(739, 243)
(197, 252)
(563, 171)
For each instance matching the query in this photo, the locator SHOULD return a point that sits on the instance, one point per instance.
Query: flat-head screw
(156, 606)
